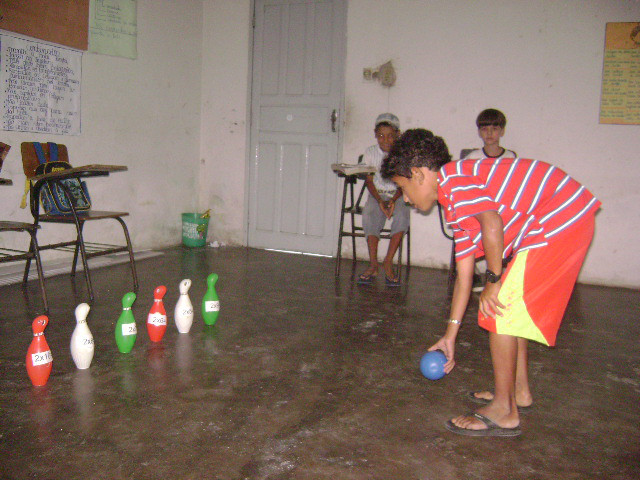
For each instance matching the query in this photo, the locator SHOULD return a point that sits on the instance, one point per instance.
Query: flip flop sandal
(392, 282)
(484, 401)
(492, 430)
(365, 279)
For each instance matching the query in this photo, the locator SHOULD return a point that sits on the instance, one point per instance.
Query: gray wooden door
(296, 109)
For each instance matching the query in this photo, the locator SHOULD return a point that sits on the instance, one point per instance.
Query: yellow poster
(620, 99)
(113, 27)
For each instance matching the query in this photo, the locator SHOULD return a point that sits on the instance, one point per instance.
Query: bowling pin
(183, 313)
(81, 340)
(39, 358)
(210, 301)
(126, 330)
(157, 318)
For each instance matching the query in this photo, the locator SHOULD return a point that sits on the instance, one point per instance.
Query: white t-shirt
(479, 153)
(374, 156)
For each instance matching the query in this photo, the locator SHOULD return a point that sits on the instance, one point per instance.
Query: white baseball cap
(389, 118)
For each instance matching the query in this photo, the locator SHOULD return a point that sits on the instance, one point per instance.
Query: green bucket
(194, 229)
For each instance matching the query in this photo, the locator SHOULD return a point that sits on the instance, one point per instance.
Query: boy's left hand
(490, 306)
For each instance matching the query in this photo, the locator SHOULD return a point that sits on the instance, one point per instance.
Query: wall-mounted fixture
(385, 74)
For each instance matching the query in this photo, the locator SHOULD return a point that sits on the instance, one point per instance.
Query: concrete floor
(306, 376)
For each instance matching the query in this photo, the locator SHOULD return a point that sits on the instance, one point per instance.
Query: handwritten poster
(113, 27)
(620, 101)
(39, 87)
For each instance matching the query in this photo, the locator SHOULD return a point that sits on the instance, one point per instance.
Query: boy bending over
(533, 223)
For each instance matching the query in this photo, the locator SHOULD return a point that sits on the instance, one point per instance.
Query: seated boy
(533, 223)
(384, 201)
(491, 125)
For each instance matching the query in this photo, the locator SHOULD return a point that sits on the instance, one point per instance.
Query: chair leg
(75, 255)
(27, 265)
(132, 261)
(408, 247)
(452, 270)
(83, 256)
(353, 239)
(353, 227)
(399, 255)
(340, 228)
(36, 252)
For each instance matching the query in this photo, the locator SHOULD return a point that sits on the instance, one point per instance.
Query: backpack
(52, 196)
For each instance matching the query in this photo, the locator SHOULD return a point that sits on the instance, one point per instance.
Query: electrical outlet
(367, 74)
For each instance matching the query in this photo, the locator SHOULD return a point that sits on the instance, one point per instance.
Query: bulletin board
(39, 87)
(620, 99)
(65, 22)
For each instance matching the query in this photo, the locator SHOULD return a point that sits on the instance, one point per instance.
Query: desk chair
(77, 218)
(13, 255)
(353, 209)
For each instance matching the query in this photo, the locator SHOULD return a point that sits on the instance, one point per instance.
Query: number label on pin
(88, 341)
(212, 306)
(129, 329)
(41, 358)
(187, 311)
(157, 319)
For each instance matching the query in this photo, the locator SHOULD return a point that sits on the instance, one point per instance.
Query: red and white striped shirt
(536, 201)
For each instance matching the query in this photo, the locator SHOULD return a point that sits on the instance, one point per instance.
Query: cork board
(65, 22)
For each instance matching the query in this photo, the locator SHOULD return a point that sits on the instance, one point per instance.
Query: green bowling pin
(210, 301)
(126, 331)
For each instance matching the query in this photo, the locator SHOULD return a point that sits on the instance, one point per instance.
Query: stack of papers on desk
(352, 169)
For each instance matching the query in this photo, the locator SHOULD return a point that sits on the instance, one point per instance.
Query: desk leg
(353, 228)
(344, 199)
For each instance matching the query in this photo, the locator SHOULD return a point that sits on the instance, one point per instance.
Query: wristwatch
(492, 277)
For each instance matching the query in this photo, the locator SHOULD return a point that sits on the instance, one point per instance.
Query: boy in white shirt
(384, 202)
(491, 125)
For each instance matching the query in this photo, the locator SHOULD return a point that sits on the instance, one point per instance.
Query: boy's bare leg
(523, 391)
(372, 244)
(502, 410)
(387, 263)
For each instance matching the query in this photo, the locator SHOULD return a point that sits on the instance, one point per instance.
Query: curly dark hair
(415, 148)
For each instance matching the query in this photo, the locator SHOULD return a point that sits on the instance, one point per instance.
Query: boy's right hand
(387, 207)
(448, 347)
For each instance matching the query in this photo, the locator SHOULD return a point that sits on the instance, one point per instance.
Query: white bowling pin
(81, 340)
(183, 313)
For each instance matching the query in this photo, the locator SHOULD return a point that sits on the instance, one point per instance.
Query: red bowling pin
(157, 318)
(39, 359)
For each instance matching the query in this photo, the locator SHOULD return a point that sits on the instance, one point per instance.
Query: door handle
(334, 119)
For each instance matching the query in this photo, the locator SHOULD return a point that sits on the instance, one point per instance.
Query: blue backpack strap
(53, 151)
(39, 152)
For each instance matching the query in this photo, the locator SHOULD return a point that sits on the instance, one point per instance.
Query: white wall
(142, 113)
(540, 62)
(226, 44)
(177, 115)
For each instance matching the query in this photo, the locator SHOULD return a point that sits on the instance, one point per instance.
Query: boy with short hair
(491, 125)
(384, 202)
(533, 223)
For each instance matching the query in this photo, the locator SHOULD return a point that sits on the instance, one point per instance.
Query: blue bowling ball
(432, 365)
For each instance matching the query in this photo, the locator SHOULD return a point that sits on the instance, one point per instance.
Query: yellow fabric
(516, 320)
(27, 187)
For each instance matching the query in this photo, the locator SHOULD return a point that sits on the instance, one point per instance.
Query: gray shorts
(373, 219)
